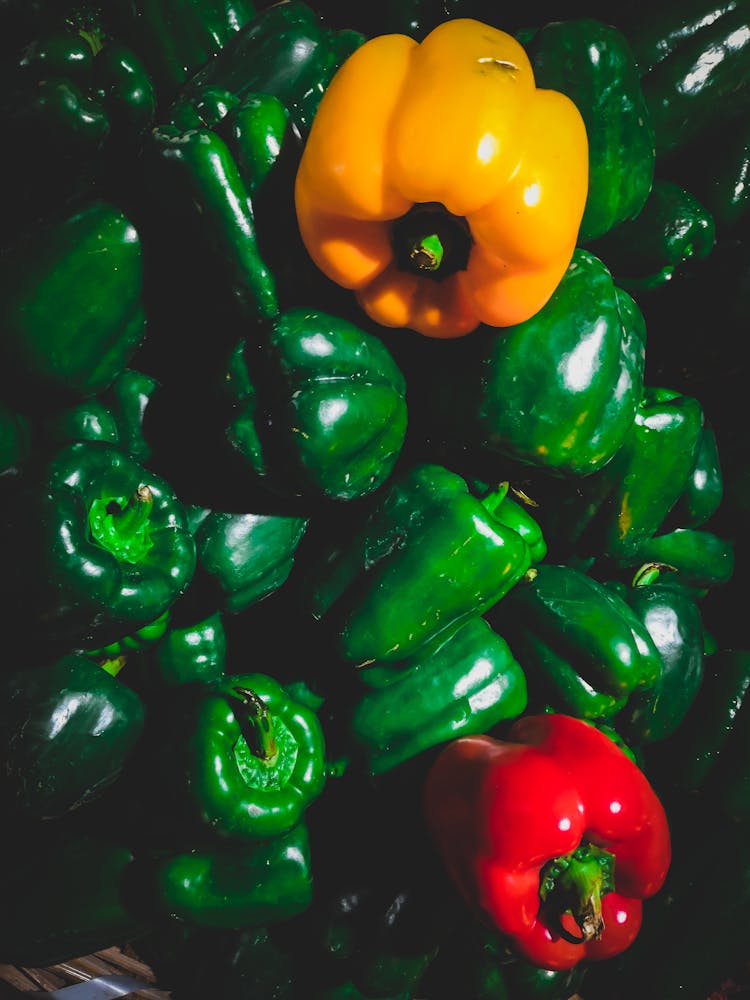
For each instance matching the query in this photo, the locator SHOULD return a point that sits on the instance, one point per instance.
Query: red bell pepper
(553, 835)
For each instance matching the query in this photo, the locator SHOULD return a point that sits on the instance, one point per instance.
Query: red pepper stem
(575, 883)
(257, 725)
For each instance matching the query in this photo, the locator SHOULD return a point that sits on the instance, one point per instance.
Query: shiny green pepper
(672, 617)
(468, 684)
(71, 304)
(100, 547)
(694, 69)
(319, 409)
(583, 649)
(246, 557)
(559, 391)
(197, 177)
(68, 727)
(592, 63)
(251, 757)
(232, 885)
(287, 51)
(427, 557)
(176, 38)
(672, 227)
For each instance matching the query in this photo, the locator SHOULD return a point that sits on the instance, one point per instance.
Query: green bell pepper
(252, 759)
(176, 38)
(426, 557)
(192, 653)
(232, 885)
(704, 490)
(468, 684)
(583, 649)
(515, 514)
(71, 307)
(246, 557)
(68, 728)
(475, 965)
(696, 72)
(100, 546)
(673, 619)
(701, 559)
(724, 185)
(672, 227)
(704, 738)
(69, 887)
(319, 410)
(592, 63)
(287, 51)
(558, 392)
(648, 475)
(76, 102)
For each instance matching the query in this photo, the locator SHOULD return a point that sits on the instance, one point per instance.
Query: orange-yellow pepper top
(440, 184)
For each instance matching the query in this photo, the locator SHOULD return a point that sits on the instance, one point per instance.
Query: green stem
(426, 252)
(575, 883)
(123, 528)
(257, 725)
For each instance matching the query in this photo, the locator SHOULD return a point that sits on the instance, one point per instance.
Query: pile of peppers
(374, 496)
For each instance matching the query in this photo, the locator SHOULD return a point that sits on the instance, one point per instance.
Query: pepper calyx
(575, 884)
(256, 725)
(121, 524)
(431, 241)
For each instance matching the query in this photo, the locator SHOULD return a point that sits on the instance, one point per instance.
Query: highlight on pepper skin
(453, 193)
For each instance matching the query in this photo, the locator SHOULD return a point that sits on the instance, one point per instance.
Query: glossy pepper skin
(233, 886)
(246, 557)
(197, 176)
(593, 64)
(427, 557)
(68, 728)
(436, 235)
(703, 743)
(649, 473)
(192, 653)
(672, 617)
(101, 546)
(253, 758)
(534, 393)
(696, 70)
(500, 810)
(672, 228)
(583, 649)
(287, 51)
(76, 103)
(318, 409)
(468, 684)
(72, 313)
(176, 38)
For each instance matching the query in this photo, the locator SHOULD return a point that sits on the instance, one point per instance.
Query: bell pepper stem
(426, 252)
(257, 725)
(129, 519)
(575, 883)
(123, 527)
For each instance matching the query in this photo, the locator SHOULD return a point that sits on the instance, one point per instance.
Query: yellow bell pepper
(440, 184)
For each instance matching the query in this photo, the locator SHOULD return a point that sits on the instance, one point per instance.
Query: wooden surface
(15, 980)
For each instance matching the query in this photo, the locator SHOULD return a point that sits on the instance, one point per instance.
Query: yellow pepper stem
(427, 253)
(430, 240)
